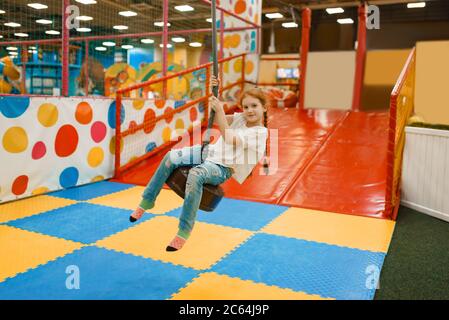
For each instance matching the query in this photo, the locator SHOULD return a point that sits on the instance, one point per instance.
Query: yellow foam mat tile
(21, 250)
(31, 206)
(129, 199)
(207, 244)
(332, 228)
(213, 286)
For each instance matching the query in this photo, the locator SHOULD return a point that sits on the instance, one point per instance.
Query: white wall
(425, 173)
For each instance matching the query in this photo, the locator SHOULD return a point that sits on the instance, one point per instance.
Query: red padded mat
(348, 175)
(327, 160)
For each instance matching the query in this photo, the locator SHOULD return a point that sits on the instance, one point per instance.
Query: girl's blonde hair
(259, 95)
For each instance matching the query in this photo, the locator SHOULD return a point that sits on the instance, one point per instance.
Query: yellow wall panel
(432, 81)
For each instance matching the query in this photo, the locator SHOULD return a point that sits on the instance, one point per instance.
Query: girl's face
(253, 111)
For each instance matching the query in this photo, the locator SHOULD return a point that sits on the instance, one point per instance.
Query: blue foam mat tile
(81, 222)
(91, 191)
(311, 267)
(239, 214)
(102, 274)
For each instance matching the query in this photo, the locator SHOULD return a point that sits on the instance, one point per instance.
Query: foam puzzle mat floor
(79, 244)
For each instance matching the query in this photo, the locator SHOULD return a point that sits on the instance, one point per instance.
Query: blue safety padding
(311, 267)
(81, 222)
(239, 214)
(103, 274)
(92, 190)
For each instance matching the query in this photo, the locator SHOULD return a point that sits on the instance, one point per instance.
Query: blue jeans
(201, 173)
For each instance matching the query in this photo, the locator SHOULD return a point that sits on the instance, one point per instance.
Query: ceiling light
(416, 5)
(12, 24)
(37, 6)
(11, 48)
(161, 24)
(147, 40)
(32, 48)
(2, 11)
(109, 44)
(184, 8)
(345, 21)
(84, 18)
(83, 30)
(86, 1)
(195, 44)
(289, 25)
(52, 32)
(120, 27)
(44, 21)
(1, 37)
(127, 13)
(169, 45)
(209, 20)
(14, 54)
(127, 46)
(178, 39)
(334, 10)
(20, 34)
(275, 15)
(101, 49)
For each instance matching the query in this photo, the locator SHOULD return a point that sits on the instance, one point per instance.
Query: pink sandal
(136, 215)
(176, 243)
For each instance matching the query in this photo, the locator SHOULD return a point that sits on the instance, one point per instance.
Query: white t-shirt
(242, 159)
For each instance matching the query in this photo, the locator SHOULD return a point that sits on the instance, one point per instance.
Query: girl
(240, 147)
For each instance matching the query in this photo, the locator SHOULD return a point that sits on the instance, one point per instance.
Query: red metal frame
(65, 50)
(86, 71)
(360, 59)
(389, 210)
(24, 58)
(164, 47)
(304, 51)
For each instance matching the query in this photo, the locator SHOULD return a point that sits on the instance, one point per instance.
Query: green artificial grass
(417, 264)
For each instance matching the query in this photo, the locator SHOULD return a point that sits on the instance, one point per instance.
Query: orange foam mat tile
(348, 175)
(22, 250)
(213, 286)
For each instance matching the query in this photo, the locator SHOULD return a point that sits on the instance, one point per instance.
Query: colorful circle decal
(20, 185)
(95, 157)
(193, 114)
(149, 121)
(166, 134)
(14, 107)
(15, 140)
(39, 150)
(69, 177)
(138, 104)
(111, 115)
(240, 6)
(151, 146)
(179, 125)
(112, 145)
(97, 178)
(159, 103)
(47, 114)
(66, 141)
(98, 131)
(83, 113)
(40, 190)
(169, 118)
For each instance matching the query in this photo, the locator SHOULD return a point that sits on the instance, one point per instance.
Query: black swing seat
(211, 194)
